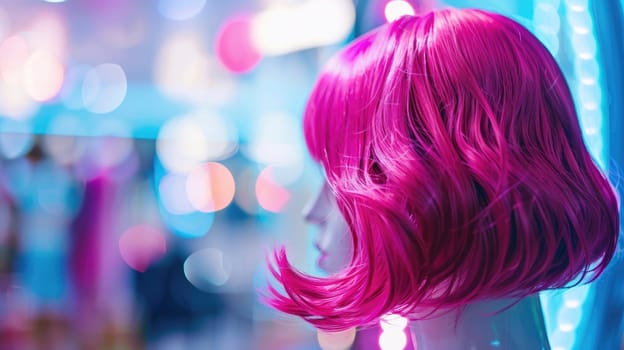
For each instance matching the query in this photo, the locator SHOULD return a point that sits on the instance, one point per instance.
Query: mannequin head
(451, 144)
(333, 240)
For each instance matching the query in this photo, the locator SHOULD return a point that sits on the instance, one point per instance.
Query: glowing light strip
(568, 306)
(393, 336)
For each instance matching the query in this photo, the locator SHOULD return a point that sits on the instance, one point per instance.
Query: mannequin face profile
(333, 240)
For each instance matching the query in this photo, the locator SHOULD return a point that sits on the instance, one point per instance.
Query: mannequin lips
(322, 252)
(322, 255)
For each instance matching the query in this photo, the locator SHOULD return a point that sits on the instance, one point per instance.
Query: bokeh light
(104, 88)
(14, 145)
(393, 340)
(547, 23)
(569, 318)
(5, 23)
(18, 142)
(584, 44)
(176, 211)
(172, 192)
(190, 225)
(181, 144)
(71, 92)
(560, 340)
(587, 70)
(43, 75)
(207, 269)
(55, 192)
(393, 336)
(184, 71)
(336, 340)
(210, 187)
(180, 10)
(47, 31)
(142, 245)
(575, 297)
(393, 322)
(245, 195)
(396, 9)
(112, 150)
(187, 141)
(275, 140)
(64, 149)
(283, 29)
(15, 102)
(113, 142)
(220, 134)
(234, 47)
(63, 140)
(271, 195)
(14, 51)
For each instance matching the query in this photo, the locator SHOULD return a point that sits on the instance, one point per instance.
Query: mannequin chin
(333, 240)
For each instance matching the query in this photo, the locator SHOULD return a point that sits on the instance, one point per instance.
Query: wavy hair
(454, 150)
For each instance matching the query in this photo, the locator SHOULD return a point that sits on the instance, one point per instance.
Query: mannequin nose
(313, 212)
(316, 210)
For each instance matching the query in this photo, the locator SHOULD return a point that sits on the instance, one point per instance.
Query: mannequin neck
(482, 325)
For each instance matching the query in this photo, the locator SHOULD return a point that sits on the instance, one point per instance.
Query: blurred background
(151, 153)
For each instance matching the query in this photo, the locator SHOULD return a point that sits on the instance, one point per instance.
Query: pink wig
(453, 147)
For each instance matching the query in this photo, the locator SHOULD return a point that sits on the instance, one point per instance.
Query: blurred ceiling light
(396, 9)
(180, 10)
(55, 1)
(207, 268)
(283, 29)
(234, 46)
(43, 76)
(210, 187)
(104, 88)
